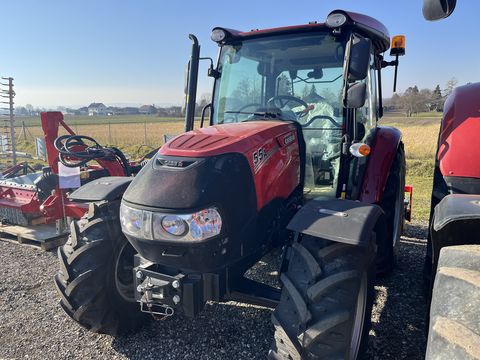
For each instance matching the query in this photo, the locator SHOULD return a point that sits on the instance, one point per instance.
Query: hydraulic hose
(74, 152)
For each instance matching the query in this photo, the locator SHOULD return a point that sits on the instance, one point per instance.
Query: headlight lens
(336, 19)
(218, 35)
(131, 220)
(174, 225)
(200, 225)
(205, 224)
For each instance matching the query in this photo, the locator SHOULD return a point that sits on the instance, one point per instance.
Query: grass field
(32, 121)
(135, 135)
(420, 139)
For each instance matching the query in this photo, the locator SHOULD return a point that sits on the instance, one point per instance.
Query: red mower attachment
(35, 197)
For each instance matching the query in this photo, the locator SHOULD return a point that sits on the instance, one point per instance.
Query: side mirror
(356, 95)
(359, 58)
(438, 9)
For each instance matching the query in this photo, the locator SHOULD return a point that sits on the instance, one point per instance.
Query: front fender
(106, 188)
(456, 221)
(343, 221)
(384, 148)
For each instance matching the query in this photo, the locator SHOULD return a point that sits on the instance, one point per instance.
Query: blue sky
(76, 52)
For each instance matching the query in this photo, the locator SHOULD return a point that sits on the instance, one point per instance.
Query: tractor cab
(324, 77)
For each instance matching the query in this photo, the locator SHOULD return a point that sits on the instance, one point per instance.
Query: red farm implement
(31, 202)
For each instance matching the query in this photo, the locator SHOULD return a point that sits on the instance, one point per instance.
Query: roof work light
(398, 45)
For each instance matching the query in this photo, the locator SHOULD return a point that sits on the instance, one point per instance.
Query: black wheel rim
(124, 273)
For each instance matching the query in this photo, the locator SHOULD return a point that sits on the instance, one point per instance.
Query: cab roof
(363, 24)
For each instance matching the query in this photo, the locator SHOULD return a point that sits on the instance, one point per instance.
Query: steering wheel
(318, 117)
(283, 100)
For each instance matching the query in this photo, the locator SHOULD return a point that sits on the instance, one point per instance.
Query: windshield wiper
(267, 114)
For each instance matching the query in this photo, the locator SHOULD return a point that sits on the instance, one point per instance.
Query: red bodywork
(279, 175)
(384, 148)
(25, 197)
(459, 132)
(271, 148)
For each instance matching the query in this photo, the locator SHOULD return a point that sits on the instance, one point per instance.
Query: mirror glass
(438, 9)
(356, 95)
(359, 58)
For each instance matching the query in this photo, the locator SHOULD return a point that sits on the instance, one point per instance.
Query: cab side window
(367, 115)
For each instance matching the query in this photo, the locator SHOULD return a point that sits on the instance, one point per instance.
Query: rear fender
(344, 221)
(456, 221)
(380, 160)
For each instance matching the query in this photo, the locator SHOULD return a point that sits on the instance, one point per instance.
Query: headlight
(174, 225)
(131, 220)
(200, 225)
(218, 35)
(336, 20)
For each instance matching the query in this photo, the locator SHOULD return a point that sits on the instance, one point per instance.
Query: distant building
(82, 111)
(97, 109)
(147, 110)
(126, 111)
(111, 110)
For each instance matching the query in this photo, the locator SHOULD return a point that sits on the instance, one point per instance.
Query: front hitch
(158, 294)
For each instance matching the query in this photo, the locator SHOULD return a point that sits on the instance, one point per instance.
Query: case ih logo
(289, 139)
(174, 163)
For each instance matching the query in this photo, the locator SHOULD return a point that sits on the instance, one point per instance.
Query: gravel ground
(33, 326)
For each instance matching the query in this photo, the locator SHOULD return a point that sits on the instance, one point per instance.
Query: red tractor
(292, 159)
(452, 265)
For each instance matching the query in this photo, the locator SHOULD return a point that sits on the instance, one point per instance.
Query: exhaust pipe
(191, 94)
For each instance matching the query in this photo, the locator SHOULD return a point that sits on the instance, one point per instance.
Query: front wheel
(95, 279)
(326, 302)
(393, 206)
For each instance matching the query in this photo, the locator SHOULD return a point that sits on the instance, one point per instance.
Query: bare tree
(451, 84)
(414, 101)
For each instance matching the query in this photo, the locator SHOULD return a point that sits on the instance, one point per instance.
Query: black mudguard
(106, 188)
(343, 221)
(456, 221)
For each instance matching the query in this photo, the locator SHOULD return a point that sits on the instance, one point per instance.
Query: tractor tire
(393, 206)
(439, 191)
(95, 279)
(326, 301)
(454, 314)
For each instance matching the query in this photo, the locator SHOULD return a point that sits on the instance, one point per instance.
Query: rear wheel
(454, 314)
(326, 301)
(95, 279)
(392, 204)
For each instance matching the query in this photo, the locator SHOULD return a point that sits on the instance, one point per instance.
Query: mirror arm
(380, 95)
(395, 63)
(395, 76)
(212, 72)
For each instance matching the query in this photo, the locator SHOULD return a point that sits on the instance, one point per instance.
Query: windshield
(280, 76)
(295, 77)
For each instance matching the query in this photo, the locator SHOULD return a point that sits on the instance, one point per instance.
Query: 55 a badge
(260, 156)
